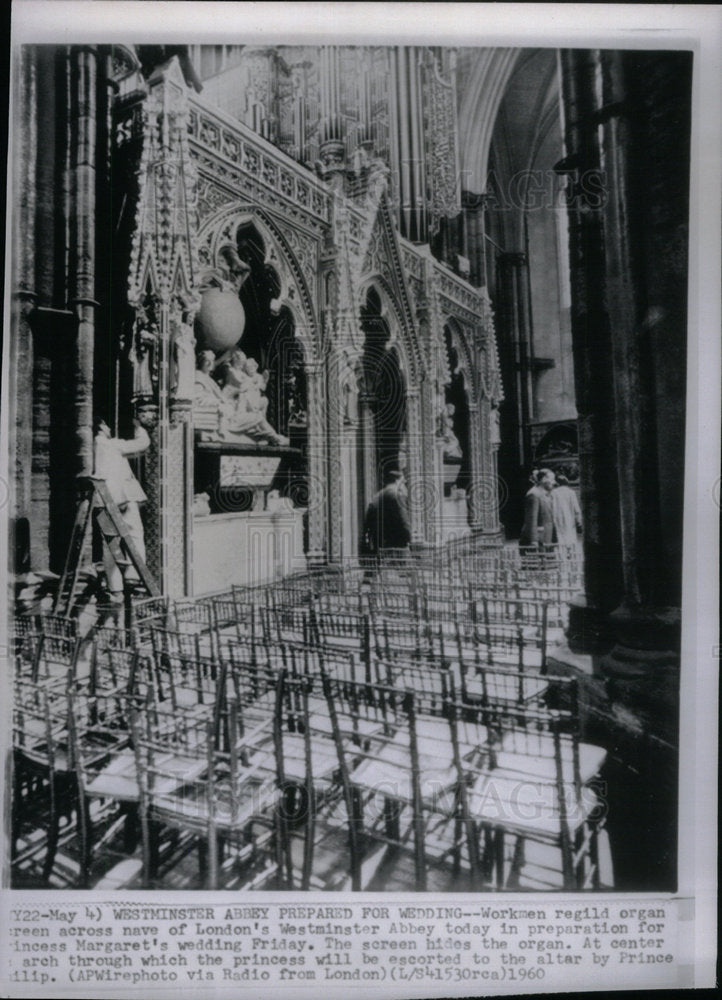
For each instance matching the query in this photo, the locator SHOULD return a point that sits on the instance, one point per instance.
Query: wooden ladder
(97, 505)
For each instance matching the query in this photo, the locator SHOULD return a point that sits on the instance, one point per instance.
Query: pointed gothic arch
(383, 402)
(459, 337)
(293, 292)
(392, 314)
(383, 268)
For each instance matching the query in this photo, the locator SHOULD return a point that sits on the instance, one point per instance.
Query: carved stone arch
(145, 280)
(183, 282)
(221, 228)
(465, 354)
(391, 312)
(382, 255)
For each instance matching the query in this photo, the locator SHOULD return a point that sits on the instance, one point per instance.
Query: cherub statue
(257, 382)
(235, 380)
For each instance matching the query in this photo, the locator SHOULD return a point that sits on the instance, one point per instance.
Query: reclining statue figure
(239, 406)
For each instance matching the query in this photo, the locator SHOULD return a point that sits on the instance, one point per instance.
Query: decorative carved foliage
(162, 247)
(460, 298)
(305, 251)
(124, 62)
(211, 197)
(494, 387)
(236, 158)
(130, 126)
(441, 146)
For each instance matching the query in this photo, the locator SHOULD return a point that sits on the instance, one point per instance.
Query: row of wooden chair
(263, 723)
(84, 736)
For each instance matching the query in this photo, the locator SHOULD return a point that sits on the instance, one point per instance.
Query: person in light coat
(567, 513)
(111, 464)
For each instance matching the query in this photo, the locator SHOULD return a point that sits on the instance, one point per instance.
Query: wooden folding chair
(204, 783)
(395, 779)
(103, 764)
(532, 785)
(43, 792)
(197, 618)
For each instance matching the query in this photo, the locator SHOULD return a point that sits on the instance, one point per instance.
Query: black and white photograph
(351, 442)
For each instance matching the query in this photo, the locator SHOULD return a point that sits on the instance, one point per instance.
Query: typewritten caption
(520, 947)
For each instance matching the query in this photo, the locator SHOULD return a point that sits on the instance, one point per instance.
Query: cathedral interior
(279, 279)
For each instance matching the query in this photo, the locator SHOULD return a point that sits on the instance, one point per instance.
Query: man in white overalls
(111, 464)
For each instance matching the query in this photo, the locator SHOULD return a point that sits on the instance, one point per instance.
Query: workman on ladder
(111, 464)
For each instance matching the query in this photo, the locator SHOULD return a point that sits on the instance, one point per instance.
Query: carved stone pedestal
(250, 534)
(247, 548)
(451, 469)
(238, 476)
(455, 516)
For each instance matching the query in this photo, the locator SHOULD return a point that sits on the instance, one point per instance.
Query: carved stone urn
(220, 321)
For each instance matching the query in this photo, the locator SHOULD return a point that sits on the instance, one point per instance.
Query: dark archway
(557, 449)
(455, 394)
(257, 293)
(384, 392)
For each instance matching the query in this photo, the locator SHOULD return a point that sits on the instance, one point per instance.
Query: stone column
(352, 514)
(627, 141)
(317, 464)
(614, 361)
(23, 302)
(515, 310)
(415, 473)
(513, 326)
(169, 476)
(332, 428)
(474, 243)
(368, 446)
(81, 279)
(645, 319)
(438, 457)
(592, 348)
(168, 187)
(432, 458)
(493, 445)
(490, 495)
(479, 484)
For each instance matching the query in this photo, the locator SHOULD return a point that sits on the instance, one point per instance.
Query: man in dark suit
(387, 520)
(538, 527)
